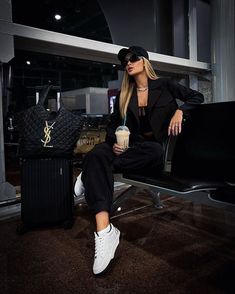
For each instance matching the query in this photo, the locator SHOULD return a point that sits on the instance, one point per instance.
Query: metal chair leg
(156, 199)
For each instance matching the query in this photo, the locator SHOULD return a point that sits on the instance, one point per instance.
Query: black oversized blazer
(162, 104)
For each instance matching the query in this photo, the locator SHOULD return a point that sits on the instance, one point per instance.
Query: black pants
(100, 163)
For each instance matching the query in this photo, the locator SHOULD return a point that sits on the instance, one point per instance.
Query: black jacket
(162, 104)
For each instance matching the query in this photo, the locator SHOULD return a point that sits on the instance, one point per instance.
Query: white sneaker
(79, 187)
(105, 247)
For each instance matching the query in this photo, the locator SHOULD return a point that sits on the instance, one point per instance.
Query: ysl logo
(47, 135)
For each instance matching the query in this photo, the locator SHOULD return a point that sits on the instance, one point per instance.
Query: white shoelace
(99, 246)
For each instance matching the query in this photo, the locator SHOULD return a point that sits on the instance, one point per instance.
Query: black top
(145, 128)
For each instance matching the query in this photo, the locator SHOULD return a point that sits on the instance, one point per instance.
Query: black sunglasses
(131, 58)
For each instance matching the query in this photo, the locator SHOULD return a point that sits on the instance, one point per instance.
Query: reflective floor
(182, 248)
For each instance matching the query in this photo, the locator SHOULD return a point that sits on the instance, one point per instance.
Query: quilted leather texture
(44, 136)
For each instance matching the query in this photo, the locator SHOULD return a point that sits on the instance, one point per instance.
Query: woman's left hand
(117, 149)
(175, 125)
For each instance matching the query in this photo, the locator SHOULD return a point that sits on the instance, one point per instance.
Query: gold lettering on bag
(47, 134)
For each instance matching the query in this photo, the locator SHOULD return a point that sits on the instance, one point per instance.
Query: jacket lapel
(154, 93)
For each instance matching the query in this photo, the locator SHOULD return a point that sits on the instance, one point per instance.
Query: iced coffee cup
(122, 134)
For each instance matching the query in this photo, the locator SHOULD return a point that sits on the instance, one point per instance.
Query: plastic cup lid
(122, 128)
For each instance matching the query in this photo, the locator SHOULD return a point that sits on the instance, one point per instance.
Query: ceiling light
(57, 16)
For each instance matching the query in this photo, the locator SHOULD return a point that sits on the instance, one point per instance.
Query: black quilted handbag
(44, 134)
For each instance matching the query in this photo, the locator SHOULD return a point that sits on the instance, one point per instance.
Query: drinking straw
(124, 121)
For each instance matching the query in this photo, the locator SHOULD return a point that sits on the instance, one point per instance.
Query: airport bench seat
(167, 181)
(202, 160)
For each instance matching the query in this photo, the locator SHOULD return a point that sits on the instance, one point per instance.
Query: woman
(147, 106)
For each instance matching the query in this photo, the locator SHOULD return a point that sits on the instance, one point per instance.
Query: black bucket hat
(139, 51)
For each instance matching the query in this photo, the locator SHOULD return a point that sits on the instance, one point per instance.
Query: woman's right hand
(117, 149)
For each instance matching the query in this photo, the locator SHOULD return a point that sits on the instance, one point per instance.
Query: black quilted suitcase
(46, 193)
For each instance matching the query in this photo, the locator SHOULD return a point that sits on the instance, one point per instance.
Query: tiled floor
(182, 248)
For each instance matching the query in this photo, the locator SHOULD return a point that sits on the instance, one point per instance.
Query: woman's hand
(175, 125)
(117, 149)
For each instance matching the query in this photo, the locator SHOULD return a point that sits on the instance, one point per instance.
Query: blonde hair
(128, 85)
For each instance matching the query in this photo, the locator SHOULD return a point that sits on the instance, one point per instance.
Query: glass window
(78, 18)
(31, 69)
